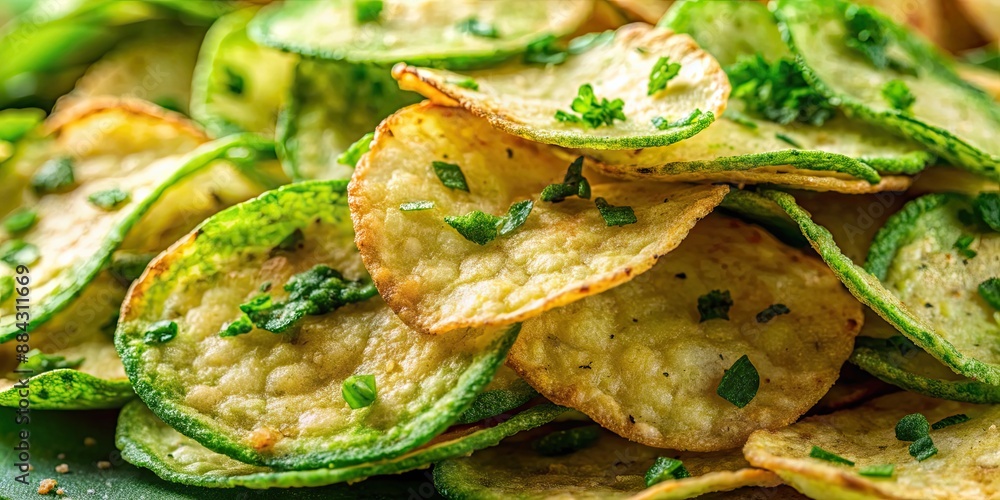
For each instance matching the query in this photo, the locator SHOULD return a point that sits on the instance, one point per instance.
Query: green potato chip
(504, 393)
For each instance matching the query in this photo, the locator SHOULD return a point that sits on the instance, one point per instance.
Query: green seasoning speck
(989, 290)
(884, 470)
(367, 11)
(54, 176)
(871, 38)
(573, 184)
(41, 363)
(475, 27)
(897, 93)
(822, 454)
(451, 175)
(739, 383)
(912, 427)
(6, 288)
(516, 215)
(567, 441)
(414, 206)
(356, 151)
(962, 245)
(238, 327)
(661, 123)
(772, 312)
(739, 118)
(468, 83)
(359, 391)
(714, 305)
(19, 253)
(923, 448)
(988, 209)
(160, 332)
(615, 216)
(788, 140)
(482, 228)
(20, 221)
(109, 199)
(666, 468)
(545, 50)
(593, 112)
(778, 91)
(950, 421)
(663, 71)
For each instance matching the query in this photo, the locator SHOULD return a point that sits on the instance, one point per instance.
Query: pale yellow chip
(612, 467)
(436, 280)
(638, 359)
(953, 180)
(964, 467)
(523, 99)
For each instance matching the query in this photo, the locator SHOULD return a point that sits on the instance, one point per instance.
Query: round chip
(285, 400)
(866, 435)
(602, 98)
(646, 359)
(610, 467)
(437, 280)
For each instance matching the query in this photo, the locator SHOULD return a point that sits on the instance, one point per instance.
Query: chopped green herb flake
(663, 71)
(884, 470)
(516, 215)
(897, 93)
(778, 92)
(238, 327)
(923, 448)
(475, 27)
(950, 421)
(740, 118)
(19, 253)
(989, 290)
(666, 469)
(482, 228)
(739, 383)
(988, 209)
(317, 291)
(160, 332)
(54, 176)
(545, 50)
(413, 206)
(359, 391)
(367, 11)
(20, 221)
(6, 288)
(468, 83)
(40, 363)
(109, 199)
(593, 111)
(867, 35)
(356, 151)
(235, 82)
(573, 184)
(714, 305)
(962, 245)
(586, 42)
(615, 216)
(567, 441)
(451, 175)
(127, 267)
(788, 140)
(912, 427)
(772, 312)
(661, 123)
(822, 454)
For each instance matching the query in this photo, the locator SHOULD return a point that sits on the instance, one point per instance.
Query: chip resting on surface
(195, 342)
(609, 467)
(646, 361)
(962, 467)
(619, 111)
(437, 280)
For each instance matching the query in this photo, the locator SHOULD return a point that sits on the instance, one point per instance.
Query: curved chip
(148, 442)
(610, 467)
(853, 387)
(504, 393)
(238, 85)
(645, 359)
(966, 452)
(436, 280)
(949, 339)
(277, 399)
(886, 75)
(458, 33)
(649, 11)
(752, 208)
(618, 73)
(951, 180)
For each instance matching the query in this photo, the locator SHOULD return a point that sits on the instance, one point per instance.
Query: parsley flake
(869, 36)
(962, 245)
(109, 199)
(414, 206)
(820, 453)
(242, 325)
(20, 221)
(359, 391)
(772, 312)
(367, 11)
(912, 427)
(663, 71)
(353, 155)
(19, 253)
(897, 93)
(987, 207)
(661, 123)
(573, 184)
(482, 228)
(475, 27)
(567, 441)
(615, 216)
(989, 290)
(923, 448)
(160, 332)
(54, 176)
(739, 383)
(664, 469)
(740, 118)
(593, 112)
(451, 175)
(778, 91)
(884, 470)
(545, 50)
(788, 140)
(950, 421)
(714, 305)
(40, 363)
(468, 83)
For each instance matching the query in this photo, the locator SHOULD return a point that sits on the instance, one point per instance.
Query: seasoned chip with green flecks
(277, 400)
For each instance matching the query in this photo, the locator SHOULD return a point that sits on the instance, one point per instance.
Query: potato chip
(981, 76)
(866, 436)
(148, 442)
(278, 399)
(504, 393)
(853, 387)
(645, 360)
(611, 467)
(436, 280)
(649, 11)
(985, 14)
(617, 71)
(951, 180)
